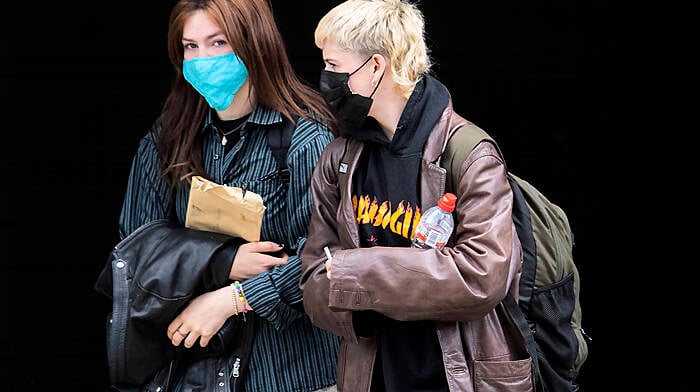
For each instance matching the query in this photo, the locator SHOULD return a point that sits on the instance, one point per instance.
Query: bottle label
(432, 238)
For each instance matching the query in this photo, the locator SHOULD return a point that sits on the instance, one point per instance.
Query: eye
(219, 42)
(190, 46)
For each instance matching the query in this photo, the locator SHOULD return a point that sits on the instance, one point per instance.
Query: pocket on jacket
(503, 376)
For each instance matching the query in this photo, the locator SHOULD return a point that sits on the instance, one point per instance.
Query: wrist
(240, 303)
(232, 298)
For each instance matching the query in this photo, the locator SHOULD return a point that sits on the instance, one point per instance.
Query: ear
(379, 64)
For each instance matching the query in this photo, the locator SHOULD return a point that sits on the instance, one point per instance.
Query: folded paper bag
(224, 209)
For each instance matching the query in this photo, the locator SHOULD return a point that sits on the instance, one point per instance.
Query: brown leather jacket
(459, 287)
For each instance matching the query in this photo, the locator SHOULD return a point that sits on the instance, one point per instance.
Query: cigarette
(328, 253)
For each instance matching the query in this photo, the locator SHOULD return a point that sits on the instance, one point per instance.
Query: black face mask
(350, 108)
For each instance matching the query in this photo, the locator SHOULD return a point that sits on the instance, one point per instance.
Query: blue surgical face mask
(217, 78)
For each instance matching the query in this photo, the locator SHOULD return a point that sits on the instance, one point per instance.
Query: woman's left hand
(202, 318)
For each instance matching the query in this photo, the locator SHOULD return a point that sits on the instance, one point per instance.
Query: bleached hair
(392, 28)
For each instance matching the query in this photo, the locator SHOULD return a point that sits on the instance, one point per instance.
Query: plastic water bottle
(436, 224)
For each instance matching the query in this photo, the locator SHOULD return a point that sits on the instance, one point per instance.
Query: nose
(202, 52)
(207, 52)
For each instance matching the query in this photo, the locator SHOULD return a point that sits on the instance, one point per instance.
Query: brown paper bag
(224, 209)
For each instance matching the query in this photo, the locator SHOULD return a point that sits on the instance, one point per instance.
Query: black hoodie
(386, 195)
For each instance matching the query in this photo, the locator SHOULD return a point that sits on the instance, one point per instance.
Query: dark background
(580, 95)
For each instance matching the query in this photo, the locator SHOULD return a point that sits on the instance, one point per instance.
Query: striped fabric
(290, 354)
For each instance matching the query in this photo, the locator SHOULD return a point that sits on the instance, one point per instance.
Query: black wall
(580, 95)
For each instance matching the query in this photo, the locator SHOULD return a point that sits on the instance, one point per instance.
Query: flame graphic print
(401, 221)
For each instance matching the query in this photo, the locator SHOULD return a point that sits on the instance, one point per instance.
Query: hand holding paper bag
(224, 209)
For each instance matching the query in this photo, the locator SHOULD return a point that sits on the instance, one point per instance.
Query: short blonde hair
(392, 28)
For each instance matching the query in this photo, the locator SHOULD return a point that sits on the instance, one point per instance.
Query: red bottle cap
(447, 202)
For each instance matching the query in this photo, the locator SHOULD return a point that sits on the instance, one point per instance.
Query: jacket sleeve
(459, 283)
(275, 295)
(323, 232)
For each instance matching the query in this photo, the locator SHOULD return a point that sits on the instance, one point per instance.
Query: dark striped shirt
(290, 354)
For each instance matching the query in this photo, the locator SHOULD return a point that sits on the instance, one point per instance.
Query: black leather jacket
(150, 277)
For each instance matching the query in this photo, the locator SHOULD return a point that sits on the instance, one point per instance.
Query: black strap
(279, 140)
(518, 318)
(523, 226)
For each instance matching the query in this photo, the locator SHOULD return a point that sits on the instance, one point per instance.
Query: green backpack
(548, 312)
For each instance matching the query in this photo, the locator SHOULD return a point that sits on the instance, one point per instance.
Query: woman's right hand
(255, 257)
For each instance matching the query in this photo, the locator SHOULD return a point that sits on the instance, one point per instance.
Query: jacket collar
(445, 126)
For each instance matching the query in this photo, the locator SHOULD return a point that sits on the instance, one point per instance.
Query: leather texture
(150, 277)
(481, 347)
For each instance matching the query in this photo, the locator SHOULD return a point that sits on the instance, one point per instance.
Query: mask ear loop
(376, 86)
(360, 67)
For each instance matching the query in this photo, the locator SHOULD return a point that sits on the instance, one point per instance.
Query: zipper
(235, 373)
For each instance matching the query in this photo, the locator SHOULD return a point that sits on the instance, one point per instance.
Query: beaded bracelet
(235, 298)
(241, 296)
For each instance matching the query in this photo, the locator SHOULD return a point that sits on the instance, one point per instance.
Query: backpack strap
(279, 140)
(460, 144)
(523, 325)
(523, 225)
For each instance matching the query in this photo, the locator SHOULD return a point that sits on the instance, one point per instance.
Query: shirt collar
(261, 115)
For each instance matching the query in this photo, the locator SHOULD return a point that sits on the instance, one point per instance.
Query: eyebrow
(205, 38)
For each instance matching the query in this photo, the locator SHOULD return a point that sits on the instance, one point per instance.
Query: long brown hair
(250, 28)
